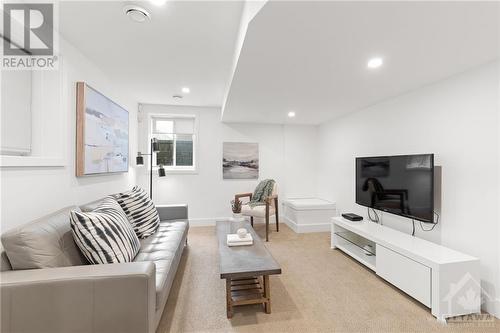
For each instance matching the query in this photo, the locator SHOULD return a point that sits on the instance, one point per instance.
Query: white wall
(498, 155)
(287, 154)
(457, 120)
(29, 193)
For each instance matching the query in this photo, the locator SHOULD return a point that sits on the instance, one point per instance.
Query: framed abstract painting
(102, 133)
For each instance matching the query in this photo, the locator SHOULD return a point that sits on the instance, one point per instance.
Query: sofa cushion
(4, 262)
(164, 248)
(140, 211)
(104, 235)
(43, 243)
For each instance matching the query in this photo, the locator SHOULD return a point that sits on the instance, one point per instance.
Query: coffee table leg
(267, 294)
(229, 305)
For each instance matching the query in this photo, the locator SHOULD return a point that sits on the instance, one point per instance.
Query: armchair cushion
(256, 211)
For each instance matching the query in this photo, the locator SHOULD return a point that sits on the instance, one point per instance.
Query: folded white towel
(234, 238)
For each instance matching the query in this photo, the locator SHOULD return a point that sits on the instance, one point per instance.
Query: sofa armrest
(90, 298)
(172, 212)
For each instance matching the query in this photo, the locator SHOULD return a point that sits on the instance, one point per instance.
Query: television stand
(360, 248)
(436, 276)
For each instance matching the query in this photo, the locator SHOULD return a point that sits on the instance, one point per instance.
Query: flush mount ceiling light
(136, 13)
(158, 2)
(186, 90)
(375, 63)
(291, 114)
(177, 97)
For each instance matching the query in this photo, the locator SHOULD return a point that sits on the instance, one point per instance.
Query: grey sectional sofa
(69, 295)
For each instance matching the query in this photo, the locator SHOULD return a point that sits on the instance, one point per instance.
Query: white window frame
(174, 169)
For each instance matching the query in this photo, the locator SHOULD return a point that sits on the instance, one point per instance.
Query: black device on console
(352, 217)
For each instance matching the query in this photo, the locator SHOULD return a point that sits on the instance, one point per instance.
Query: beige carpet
(320, 290)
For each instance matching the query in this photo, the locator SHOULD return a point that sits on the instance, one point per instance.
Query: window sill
(31, 161)
(181, 172)
(174, 171)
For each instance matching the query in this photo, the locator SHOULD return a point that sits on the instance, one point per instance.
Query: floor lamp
(139, 160)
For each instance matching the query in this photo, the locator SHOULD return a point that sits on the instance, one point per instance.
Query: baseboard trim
(299, 229)
(292, 225)
(309, 228)
(210, 221)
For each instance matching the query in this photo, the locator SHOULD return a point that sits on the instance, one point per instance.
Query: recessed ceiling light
(158, 2)
(136, 13)
(186, 90)
(375, 63)
(291, 114)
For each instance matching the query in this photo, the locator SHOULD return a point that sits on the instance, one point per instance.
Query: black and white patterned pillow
(140, 210)
(105, 235)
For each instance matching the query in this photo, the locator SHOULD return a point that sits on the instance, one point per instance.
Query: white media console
(442, 279)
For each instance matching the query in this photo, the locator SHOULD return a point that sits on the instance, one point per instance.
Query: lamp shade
(155, 145)
(139, 160)
(161, 171)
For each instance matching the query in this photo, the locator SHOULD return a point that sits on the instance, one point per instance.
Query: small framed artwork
(240, 160)
(102, 133)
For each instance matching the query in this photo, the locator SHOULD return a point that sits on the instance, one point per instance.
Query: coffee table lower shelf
(248, 290)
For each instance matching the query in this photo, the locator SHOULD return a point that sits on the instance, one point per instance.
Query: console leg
(277, 217)
(229, 305)
(267, 225)
(267, 294)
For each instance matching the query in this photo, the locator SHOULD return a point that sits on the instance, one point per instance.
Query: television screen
(401, 185)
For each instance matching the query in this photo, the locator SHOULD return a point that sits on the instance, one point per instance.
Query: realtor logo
(466, 297)
(28, 35)
(28, 29)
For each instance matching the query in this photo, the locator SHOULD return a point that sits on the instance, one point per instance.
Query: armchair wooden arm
(269, 203)
(269, 199)
(243, 195)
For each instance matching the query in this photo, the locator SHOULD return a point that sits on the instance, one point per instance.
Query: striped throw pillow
(105, 235)
(140, 210)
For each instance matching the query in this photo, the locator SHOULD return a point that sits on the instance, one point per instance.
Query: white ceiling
(311, 57)
(186, 43)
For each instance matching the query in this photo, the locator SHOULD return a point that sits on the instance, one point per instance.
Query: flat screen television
(401, 185)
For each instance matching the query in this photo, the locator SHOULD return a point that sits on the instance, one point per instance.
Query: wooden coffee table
(245, 268)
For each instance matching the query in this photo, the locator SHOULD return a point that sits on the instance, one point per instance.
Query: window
(177, 138)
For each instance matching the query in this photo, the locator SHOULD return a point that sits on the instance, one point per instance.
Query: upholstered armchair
(267, 210)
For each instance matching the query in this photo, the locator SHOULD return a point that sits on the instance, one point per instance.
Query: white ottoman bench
(309, 214)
